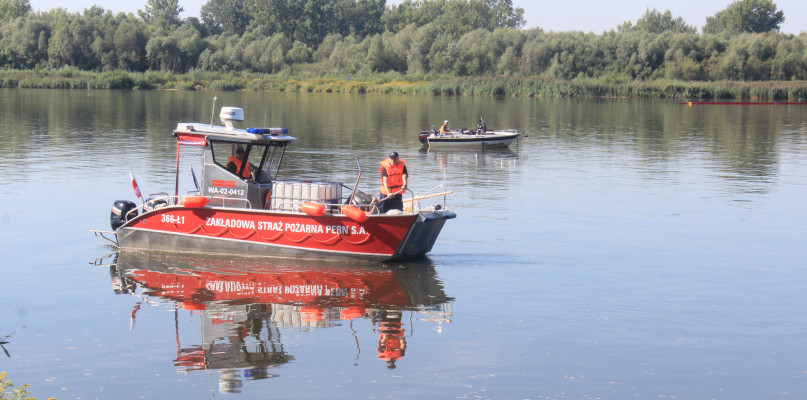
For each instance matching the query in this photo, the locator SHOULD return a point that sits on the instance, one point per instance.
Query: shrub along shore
(392, 83)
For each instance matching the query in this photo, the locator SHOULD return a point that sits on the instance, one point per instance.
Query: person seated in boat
(393, 183)
(235, 162)
(444, 127)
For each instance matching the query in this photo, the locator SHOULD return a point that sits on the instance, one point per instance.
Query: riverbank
(68, 78)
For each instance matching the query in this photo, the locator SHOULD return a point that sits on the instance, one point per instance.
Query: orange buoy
(195, 201)
(313, 209)
(192, 305)
(354, 213)
(352, 312)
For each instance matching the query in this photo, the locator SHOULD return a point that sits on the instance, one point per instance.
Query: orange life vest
(391, 342)
(394, 175)
(237, 163)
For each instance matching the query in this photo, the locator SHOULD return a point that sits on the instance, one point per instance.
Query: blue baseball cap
(393, 154)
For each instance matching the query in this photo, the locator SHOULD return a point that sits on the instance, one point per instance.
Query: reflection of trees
(117, 129)
(744, 141)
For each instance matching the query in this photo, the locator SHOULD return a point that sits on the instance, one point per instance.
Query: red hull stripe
(380, 235)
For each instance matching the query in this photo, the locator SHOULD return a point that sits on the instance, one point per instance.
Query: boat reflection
(497, 157)
(244, 305)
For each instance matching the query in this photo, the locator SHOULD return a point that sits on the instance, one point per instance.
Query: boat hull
(263, 233)
(489, 139)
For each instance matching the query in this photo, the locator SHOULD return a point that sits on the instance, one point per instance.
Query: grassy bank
(69, 78)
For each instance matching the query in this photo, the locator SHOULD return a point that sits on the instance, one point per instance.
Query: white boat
(480, 137)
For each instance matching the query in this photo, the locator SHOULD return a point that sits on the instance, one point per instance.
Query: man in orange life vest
(234, 164)
(393, 182)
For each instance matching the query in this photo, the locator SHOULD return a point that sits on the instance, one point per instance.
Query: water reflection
(481, 165)
(487, 157)
(244, 305)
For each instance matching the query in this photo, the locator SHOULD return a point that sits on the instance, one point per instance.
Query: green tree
(422, 47)
(349, 55)
(536, 52)
(356, 17)
(163, 13)
(376, 55)
(790, 61)
(504, 15)
(278, 16)
(753, 16)
(264, 54)
(10, 9)
(225, 16)
(657, 22)
(176, 52)
(456, 17)
(299, 53)
(130, 41)
(24, 43)
(445, 55)
(417, 12)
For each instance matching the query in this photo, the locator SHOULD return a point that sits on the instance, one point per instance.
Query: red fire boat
(242, 208)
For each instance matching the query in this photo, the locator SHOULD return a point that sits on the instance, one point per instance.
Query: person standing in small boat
(393, 182)
(481, 126)
(444, 127)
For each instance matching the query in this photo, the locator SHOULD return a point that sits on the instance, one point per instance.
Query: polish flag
(134, 184)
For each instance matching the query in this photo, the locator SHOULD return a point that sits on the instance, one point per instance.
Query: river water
(624, 249)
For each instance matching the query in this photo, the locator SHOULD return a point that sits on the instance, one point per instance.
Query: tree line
(421, 39)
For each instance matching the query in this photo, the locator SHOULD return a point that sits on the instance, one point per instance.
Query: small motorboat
(480, 137)
(241, 208)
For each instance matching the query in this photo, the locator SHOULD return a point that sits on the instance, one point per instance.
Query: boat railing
(411, 202)
(437, 191)
(229, 202)
(295, 205)
(159, 200)
(153, 202)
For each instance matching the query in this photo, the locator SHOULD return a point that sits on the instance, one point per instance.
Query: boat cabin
(239, 165)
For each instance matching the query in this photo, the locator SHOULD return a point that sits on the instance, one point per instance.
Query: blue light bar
(271, 131)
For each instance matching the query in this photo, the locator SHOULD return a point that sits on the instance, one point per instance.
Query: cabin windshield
(263, 160)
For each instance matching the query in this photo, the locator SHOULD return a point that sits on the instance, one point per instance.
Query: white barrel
(297, 190)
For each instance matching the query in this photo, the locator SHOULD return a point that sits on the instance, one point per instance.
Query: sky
(558, 15)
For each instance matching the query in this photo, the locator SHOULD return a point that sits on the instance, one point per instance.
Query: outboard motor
(120, 212)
